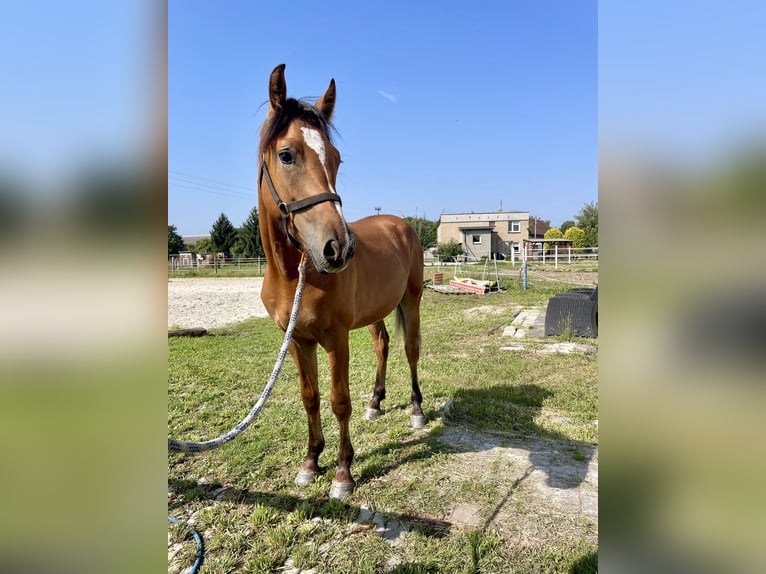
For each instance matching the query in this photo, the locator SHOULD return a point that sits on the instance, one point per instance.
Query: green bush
(552, 233)
(450, 249)
(577, 236)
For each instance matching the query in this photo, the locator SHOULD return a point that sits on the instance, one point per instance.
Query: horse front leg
(380, 340)
(340, 399)
(305, 357)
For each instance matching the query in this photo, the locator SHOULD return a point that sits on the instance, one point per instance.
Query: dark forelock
(291, 110)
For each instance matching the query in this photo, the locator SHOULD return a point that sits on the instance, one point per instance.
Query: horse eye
(286, 157)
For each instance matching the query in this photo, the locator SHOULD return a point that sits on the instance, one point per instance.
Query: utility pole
(378, 210)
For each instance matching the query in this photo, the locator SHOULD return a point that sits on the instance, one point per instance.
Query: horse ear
(326, 104)
(277, 88)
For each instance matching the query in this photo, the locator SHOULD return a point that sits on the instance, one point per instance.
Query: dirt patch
(213, 302)
(488, 310)
(547, 491)
(584, 278)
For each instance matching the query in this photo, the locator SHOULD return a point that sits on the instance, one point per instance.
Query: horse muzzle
(336, 254)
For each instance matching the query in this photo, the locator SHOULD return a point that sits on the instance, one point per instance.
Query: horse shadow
(478, 420)
(504, 419)
(506, 416)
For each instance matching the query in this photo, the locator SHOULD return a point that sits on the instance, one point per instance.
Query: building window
(514, 226)
(514, 246)
(476, 239)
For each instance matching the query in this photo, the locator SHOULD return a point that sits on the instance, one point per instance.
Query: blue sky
(76, 79)
(450, 106)
(683, 80)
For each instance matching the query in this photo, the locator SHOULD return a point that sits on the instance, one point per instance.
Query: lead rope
(183, 446)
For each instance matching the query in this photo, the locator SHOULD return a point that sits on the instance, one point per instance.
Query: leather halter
(296, 206)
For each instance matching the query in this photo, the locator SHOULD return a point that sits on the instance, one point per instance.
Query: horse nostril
(332, 250)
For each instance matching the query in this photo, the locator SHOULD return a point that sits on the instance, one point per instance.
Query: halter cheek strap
(287, 208)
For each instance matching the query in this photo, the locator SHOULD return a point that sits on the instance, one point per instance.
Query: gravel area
(585, 278)
(216, 302)
(221, 301)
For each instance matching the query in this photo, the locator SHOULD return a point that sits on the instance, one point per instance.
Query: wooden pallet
(472, 285)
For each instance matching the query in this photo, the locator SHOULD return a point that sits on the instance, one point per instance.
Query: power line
(188, 181)
(214, 192)
(213, 181)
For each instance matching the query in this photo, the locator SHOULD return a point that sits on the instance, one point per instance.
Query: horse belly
(388, 255)
(375, 300)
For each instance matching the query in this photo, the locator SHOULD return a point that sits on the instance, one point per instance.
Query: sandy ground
(216, 302)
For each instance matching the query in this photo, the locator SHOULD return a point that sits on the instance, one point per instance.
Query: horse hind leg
(408, 318)
(380, 340)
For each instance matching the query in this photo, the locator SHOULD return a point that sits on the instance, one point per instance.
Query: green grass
(263, 521)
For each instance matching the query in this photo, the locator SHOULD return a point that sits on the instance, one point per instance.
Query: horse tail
(400, 325)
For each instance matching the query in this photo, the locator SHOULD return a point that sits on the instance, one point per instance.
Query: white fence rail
(191, 263)
(556, 257)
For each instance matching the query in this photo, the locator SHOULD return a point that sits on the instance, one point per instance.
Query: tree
(204, 245)
(449, 250)
(591, 237)
(223, 235)
(238, 249)
(250, 236)
(577, 236)
(552, 233)
(175, 241)
(566, 225)
(587, 220)
(425, 229)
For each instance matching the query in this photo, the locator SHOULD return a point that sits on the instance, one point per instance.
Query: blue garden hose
(197, 538)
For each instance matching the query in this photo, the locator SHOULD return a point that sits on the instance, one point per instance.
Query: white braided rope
(183, 446)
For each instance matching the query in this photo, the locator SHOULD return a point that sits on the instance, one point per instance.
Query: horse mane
(291, 110)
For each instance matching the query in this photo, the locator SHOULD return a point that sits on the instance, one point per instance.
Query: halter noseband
(287, 208)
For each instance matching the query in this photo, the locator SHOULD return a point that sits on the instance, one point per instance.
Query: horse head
(299, 165)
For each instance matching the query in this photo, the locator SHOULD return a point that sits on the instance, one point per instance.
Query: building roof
(192, 239)
(478, 226)
(554, 240)
(537, 225)
(471, 216)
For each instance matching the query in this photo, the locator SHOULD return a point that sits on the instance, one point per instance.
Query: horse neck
(277, 246)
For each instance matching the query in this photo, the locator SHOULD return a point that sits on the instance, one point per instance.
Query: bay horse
(356, 273)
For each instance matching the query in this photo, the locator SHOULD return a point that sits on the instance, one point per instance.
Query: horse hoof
(341, 490)
(371, 414)
(305, 478)
(418, 421)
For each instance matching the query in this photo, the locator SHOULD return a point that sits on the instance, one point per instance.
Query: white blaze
(315, 141)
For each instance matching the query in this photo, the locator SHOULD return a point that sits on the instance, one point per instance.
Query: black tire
(574, 310)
